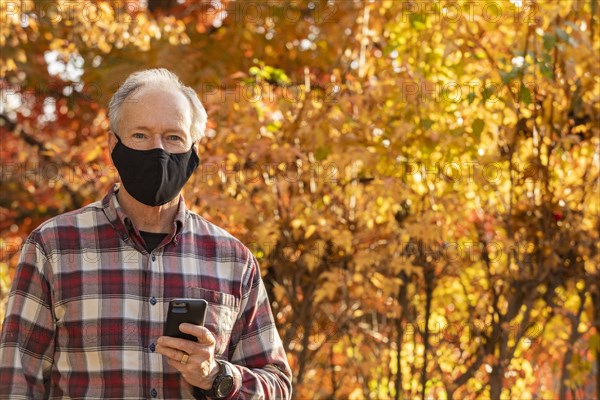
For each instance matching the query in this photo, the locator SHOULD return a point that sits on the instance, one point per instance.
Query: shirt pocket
(222, 312)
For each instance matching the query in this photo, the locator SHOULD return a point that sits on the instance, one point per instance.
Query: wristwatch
(223, 383)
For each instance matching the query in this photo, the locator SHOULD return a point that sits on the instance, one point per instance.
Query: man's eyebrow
(140, 128)
(175, 130)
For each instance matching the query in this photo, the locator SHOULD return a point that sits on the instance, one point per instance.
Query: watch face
(225, 386)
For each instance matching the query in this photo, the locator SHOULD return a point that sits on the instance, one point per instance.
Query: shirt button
(152, 347)
(153, 392)
(153, 300)
(153, 257)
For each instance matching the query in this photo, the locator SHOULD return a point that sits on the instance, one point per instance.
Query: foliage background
(419, 179)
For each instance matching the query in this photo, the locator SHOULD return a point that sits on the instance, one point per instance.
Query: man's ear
(112, 141)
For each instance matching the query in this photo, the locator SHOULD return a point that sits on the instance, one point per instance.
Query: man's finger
(173, 353)
(168, 341)
(204, 336)
(168, 344)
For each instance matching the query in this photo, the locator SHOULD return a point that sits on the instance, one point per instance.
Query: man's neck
(145, 218)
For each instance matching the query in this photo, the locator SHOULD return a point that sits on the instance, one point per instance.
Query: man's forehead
(151, 94)
(157, 101)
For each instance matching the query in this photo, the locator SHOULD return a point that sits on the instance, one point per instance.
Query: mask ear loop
(195, 150)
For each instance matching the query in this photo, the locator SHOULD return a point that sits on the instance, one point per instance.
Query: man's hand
(200, 369)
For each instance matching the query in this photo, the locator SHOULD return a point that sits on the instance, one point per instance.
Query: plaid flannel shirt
(88, 302)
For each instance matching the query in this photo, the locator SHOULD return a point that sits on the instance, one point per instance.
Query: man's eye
(138, 135)
(175, 138)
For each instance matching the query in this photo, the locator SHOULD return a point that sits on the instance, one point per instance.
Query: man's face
(155, 117)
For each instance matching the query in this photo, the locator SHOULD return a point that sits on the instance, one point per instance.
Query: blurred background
(418, 179)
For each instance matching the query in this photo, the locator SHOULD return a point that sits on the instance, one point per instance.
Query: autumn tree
(419, 180)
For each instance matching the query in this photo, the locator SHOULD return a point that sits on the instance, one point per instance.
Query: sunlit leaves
(359, 149)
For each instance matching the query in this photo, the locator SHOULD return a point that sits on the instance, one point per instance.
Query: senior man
(89, 299)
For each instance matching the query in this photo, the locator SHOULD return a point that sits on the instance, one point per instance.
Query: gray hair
(156, 76)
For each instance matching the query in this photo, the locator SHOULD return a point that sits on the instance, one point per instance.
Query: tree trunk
(303, 357)
(334, 381)
(496, 381)
(402, 301)
(596, 308)
(564, 373)
(429, 275)
(573, 337)
(597, 374)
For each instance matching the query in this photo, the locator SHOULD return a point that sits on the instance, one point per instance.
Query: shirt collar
(122, 223)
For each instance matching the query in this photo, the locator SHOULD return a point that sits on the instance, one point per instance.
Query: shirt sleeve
(258, 359)
(27, 339)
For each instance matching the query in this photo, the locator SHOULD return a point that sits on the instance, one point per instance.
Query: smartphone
(192, 311)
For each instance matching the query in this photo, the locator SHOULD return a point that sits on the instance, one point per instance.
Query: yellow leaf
(279, 292)
(21, 56)
(309, 231)
(93, 154)
(595, 342)
(10, 65)
(327, 290)
(310, 261)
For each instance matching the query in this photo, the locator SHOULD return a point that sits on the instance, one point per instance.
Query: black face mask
(153, 177)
